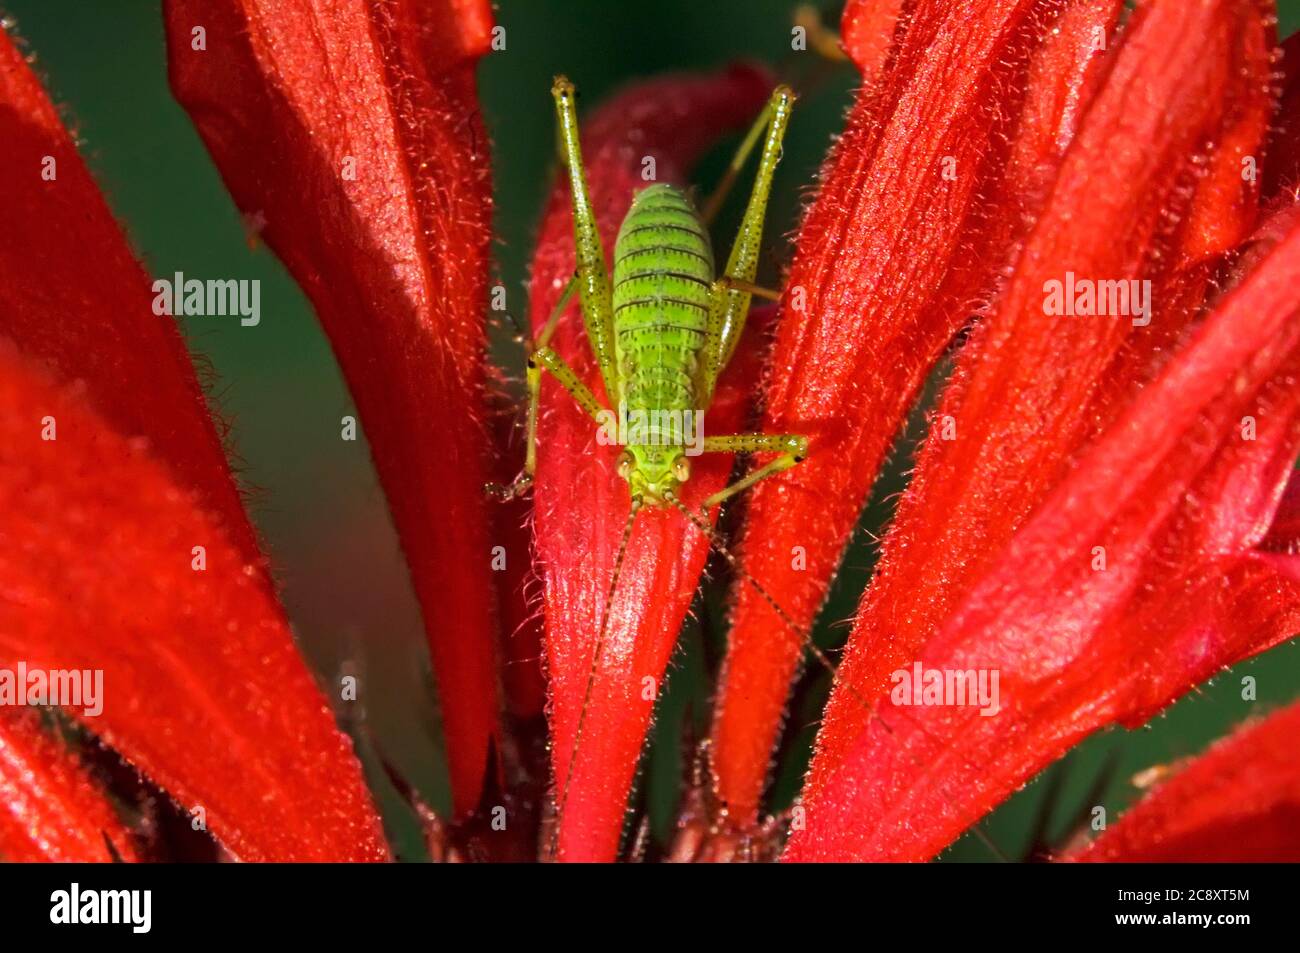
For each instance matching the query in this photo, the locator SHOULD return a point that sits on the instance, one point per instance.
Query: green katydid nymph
(662, 330)
(665, 327)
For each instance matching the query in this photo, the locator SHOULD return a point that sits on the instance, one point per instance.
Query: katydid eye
(682, 469)
(625, 465)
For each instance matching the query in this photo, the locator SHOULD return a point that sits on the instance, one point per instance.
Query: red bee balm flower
(1093, 210)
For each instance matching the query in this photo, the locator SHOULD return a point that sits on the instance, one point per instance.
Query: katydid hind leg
(734, 291)
(713, 203)
(593, 276)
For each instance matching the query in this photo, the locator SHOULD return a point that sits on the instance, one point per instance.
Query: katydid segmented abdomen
(662, 292)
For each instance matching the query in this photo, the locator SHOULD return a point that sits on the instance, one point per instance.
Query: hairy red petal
(76, 302)
(1175, 501)
(891, 258)
(867, 30)
(518, 586)
(581, 503)
(1284, 532)
(1238, 802)
(1226, 200)
(203, 690)
(51, 809)
(352, 129)
(73, 297)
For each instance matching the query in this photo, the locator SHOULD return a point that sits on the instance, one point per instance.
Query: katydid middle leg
(541, 357)
(593, 276)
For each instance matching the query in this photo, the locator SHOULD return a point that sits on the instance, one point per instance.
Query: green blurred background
(315, 497)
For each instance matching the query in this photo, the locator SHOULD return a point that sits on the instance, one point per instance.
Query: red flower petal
(1024, 367)
(1284, 532)
(1238, 802)
(203, 689)
(518, 588)
(867, 30)
(1176, 500)
(890, 259)
(74, 297)
(582, 504)
(50, 807)
(353, 130)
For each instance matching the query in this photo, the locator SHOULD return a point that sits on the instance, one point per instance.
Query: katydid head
(654, 473)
